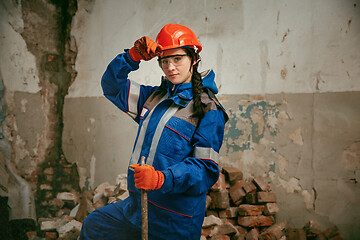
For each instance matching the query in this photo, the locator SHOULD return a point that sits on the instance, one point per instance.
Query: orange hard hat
(177, 36)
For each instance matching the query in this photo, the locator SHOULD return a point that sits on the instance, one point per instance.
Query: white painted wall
(255, 47)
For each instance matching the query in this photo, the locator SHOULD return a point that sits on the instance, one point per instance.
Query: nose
(171, 66)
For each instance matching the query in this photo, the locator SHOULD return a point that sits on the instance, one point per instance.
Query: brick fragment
(251, 198)
(253, 234)
(70, 230)
(211, 221)
(240, 233)
(295, 234)
(50, 235)
(232, 174)
(223, 229)
(255, 221)
(206, 231)
(250, 210)
(220, 199)
(220, 237)
(237, 192)
(208, 201)
(31, 235)
(312, 228)
(220, 184)
(276, 231)
(332, 231)
(249, 187)
(261, 184)
(212, 212)
(335, 238)
(271, 209)
(230, 212)
(50, 224)
(263, 197)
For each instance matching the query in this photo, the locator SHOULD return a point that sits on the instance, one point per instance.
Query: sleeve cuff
(168, 181)
(132, 63)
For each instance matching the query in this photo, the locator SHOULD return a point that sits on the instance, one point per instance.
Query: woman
(181, 127)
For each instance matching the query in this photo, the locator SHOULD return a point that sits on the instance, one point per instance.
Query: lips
(173, 75)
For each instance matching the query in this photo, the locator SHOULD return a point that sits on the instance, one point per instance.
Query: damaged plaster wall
(288, 74)
(36, 67)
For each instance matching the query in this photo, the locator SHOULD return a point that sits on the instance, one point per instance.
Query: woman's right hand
(145, 49)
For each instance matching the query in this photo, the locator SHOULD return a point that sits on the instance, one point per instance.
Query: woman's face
(175, 63)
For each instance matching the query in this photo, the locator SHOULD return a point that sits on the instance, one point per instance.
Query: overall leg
(109, 223)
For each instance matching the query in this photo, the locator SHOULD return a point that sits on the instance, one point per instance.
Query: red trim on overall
(169, 210)
(177, 133)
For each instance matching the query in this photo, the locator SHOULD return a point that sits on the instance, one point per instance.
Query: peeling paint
(283, 164)
(309, 199)
(296, 137)
(351, 157)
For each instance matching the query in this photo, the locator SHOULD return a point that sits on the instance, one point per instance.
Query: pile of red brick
(241, 209)
(238, 209)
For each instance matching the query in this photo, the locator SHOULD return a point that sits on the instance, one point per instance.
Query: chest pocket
(176, 140)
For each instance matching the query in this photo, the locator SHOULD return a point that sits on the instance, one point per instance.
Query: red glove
(144, 49)
(147, 178)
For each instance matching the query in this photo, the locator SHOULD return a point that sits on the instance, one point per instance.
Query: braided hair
(197, 86)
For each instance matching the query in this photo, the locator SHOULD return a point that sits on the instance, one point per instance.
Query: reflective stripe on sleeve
(133, 98)
(206, 153)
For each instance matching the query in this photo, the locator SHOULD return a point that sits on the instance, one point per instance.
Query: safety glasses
(176, 60)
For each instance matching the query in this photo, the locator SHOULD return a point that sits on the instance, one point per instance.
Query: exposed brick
(237, 192)
(271, 209)
(263, 197)
(276, 231)
(232, 174)
(220, 200)
(253, 234)
(220, 183)
(261, 184)
(249, 187)
(255, 221)
(250, 210)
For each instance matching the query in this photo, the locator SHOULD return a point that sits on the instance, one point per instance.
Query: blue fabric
(177, 209)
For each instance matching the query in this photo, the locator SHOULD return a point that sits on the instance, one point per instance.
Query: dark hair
(197, 86)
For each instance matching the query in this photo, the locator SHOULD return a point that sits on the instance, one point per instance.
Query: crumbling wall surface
(37, 68)
(307, 146)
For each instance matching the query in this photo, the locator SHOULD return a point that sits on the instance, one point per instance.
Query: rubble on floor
(236, 209)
